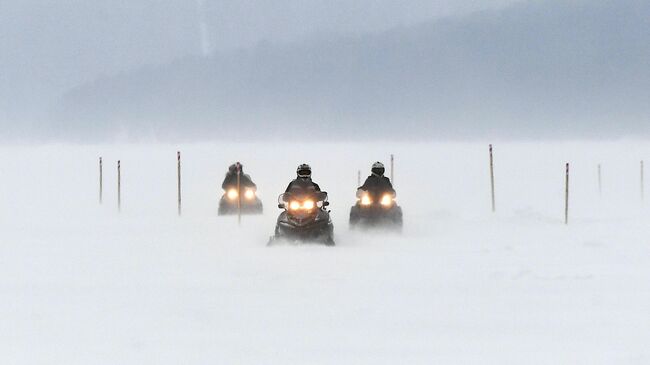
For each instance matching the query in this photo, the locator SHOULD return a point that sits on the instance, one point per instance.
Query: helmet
(304, 171)
(233, 168)
(378, 168)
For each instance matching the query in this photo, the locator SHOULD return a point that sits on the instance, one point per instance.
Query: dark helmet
(233, 168)
(378, 169)
(304, 171)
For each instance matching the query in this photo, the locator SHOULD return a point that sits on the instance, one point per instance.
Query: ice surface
(80, 284)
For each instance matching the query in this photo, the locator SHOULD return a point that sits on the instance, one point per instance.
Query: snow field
(81, 284)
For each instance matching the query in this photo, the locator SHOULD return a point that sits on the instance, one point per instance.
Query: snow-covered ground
(80, 284)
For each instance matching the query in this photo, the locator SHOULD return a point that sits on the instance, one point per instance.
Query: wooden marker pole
(238, 194)
(492, 179)
(600, 182)
(392, 169)
(178, 171)
(101, 180)
(566, 196)
(642, 183)
(119, 187)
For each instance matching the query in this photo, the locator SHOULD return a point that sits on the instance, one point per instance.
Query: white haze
(277, 83)
(81, 284)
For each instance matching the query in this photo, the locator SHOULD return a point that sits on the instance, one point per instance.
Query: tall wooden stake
(392, 169)
(600, 182)
(642, 183)
(238, 194)
(566, 196)
(178, 170)
(101, 180)
(492, 179)
(358, 178)
(119, 187)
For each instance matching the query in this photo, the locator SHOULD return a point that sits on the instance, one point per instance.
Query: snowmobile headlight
(365, 200)
(308, 204)
(386, 200)
(232, 194)
(249, 194)
(294, 205)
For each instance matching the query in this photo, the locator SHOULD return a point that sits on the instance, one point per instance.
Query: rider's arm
(389, 185)
(366, 184)
(226, 182)
(247, 182)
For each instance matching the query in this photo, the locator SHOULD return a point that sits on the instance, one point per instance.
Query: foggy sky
(50, 46)
(69, 54)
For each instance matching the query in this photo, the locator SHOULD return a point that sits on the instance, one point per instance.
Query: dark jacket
(230, 181)
(302, 185)
(377, 184)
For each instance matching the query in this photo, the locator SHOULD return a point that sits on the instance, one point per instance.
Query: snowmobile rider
(377, 182)
(231, 177)
(303, 181)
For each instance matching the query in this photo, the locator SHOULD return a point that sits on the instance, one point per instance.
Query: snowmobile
(304, 220)
(245, 196)
(376, 209)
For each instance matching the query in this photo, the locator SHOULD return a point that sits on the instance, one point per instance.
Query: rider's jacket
(377, 184)
(302, 185)
(231, 181)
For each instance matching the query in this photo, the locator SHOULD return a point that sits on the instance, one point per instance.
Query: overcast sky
(50, 46)
(233, 23)
(76, 54)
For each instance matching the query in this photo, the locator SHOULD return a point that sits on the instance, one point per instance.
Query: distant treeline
(550, 68)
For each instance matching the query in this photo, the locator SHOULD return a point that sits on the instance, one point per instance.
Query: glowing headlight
(386, 200)
(249, 194)
(232, 194)
(294, 205)
(365, 200)
(308, 204)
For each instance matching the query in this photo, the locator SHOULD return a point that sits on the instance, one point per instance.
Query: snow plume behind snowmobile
(304, 219)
